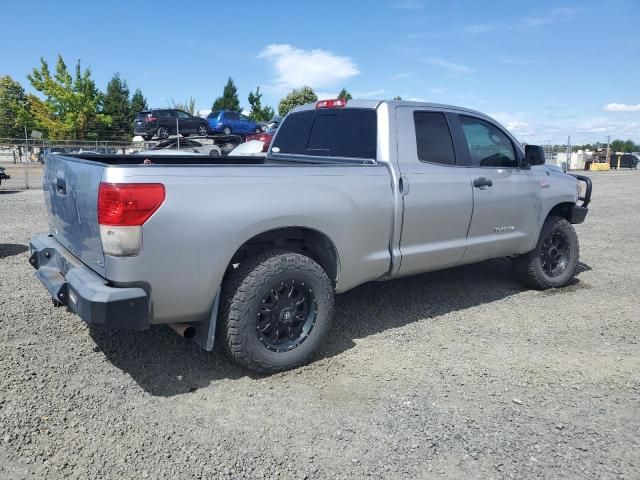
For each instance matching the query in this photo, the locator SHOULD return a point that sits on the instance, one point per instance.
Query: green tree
(229, 100)
(14, 109)
(187, 106)
(74, 102)
(296, 98)
(116, 105)
(344, 95)
(397, 98)
(138, 103)
(258, 112)
(625, 146)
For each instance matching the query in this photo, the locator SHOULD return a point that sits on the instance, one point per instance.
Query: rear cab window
(329, 132)
(433, 138)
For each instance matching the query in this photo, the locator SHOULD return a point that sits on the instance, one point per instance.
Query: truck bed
(184, 160)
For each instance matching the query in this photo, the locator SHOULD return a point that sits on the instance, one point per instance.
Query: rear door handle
(482, 183)
(61, 186)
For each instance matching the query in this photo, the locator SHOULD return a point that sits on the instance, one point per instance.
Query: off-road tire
(242, 293)
(529, 267)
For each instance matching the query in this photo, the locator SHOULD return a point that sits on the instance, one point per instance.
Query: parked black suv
(162, 123)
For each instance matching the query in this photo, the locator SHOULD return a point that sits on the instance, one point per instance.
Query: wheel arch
(305, 240)
(562, 209)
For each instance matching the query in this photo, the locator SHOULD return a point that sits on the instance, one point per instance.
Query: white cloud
(514, 122)
(621, 107)
(407, 5)
(450, 67)
(316, 68)
(557, 15)
(479, 28)
(326, 95)
(370, 94)
(590, 130)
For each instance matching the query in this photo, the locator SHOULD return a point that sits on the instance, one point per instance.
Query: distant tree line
(72, 107)
(624, 146)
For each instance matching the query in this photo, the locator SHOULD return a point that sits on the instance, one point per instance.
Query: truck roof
(365, 103)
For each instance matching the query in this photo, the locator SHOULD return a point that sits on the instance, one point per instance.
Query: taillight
(150, 119)
(337, 103)
(128, 204)
(122, 210)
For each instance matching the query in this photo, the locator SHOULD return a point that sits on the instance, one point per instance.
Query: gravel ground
(455, 374)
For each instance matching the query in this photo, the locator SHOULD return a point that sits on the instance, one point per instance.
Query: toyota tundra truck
(251, 250)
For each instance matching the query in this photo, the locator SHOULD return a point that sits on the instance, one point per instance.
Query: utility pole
(608, 142)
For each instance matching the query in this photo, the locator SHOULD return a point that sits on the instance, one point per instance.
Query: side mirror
(534, 155)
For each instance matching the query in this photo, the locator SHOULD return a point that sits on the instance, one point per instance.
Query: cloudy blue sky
(546, 69)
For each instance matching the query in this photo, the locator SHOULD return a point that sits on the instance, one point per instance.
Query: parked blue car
(232, 123)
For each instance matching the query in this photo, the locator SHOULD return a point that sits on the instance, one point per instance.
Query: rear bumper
(84, 292)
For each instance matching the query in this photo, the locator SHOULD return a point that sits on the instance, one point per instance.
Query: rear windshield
(213, 115)
(143, 114)
(335, 132)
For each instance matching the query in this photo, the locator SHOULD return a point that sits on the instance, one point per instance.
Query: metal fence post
(26, 157)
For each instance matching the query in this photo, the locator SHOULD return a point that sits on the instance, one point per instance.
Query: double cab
(251, 250)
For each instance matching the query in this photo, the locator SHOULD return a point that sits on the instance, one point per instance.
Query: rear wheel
(163, 133)
(202, 130)
(258, 130)
(276, 308)
(553, 262)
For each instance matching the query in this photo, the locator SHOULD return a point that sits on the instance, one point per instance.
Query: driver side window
(488, 146)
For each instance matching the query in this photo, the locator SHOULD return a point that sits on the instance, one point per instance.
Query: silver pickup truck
(251, 250)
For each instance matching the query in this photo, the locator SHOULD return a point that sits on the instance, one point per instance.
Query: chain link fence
(22, 160)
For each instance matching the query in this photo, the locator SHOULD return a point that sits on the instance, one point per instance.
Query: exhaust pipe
(185, 330)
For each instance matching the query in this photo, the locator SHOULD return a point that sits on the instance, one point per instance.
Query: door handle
(403, 184)
(61, 186)
(482, 183)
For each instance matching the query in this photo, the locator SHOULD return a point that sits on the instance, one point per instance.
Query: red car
(264, 137)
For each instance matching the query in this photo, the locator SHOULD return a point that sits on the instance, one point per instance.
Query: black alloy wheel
(287, 316)
(555, 253)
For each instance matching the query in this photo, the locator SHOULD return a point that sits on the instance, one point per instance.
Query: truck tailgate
(71, 194)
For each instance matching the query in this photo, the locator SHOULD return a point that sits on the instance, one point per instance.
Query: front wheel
(275, 310)
(553, 263)
(226, 130)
